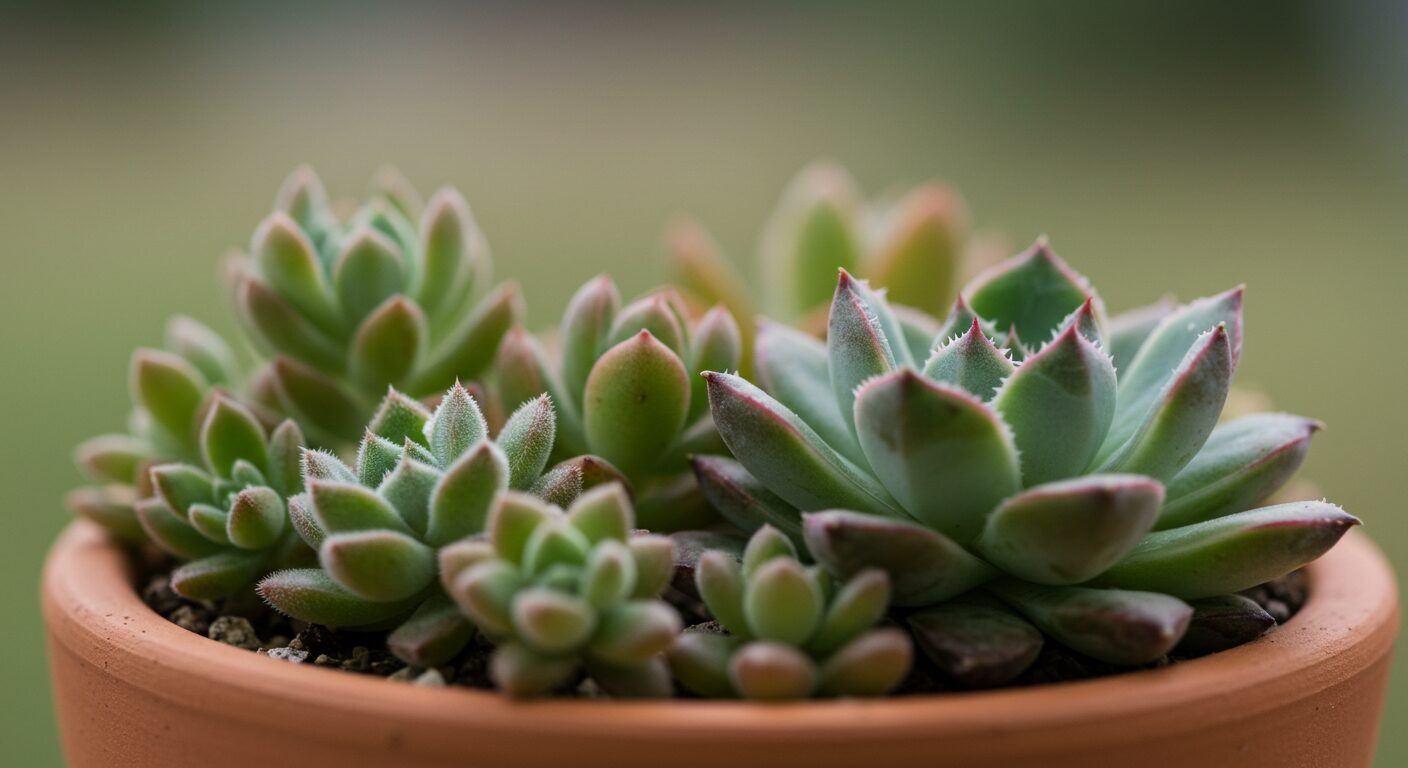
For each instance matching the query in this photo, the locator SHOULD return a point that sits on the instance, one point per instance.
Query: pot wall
(132, 689)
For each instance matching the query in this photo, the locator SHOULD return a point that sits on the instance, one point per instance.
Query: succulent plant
(562, 593)
(627, 384)
(171, 390)
(915, 243)
(793, 631)
(227, 517)
(388, 295)
(422, 481)
(1091, 501)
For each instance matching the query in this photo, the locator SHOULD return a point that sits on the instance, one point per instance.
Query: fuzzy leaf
(551, 622)
(786, 455)
(554, 543)
(257, 518)
(652, 314)
(285, 457)
(523, 371)
(376, 457)
(202, 348)
(317, 401)
(434, 634)
(792, 367)
(635, 403)
(485, 592)
(700, 662)
(1112, 625)
(871, 665)
(958, 321)
(765, 671)
(1180, 420)
(918, 331)
(655, 563)
(170, 390)
(171, 532)
(470, 347)
(288, 262)
(1033, 291)
(521, 673)
(970, 363)
(112, 458)
(346, 507)
(976, 641)
(1069, 531)
(217, 576)
(1128, 331)
(231, 433)
(110, 507)
(603, 513)
(302, 197)
(447, 232)
(1231, 553)
(382, 566)
(181, 485)
(924, 566)
(457, 558)
(741, 499)
(369, 271)
(765, 545)
(633, 632)
(305, 522)
(609, 576)
(585, 326)
(458, 424)
(280, 328)
(944, 455)
(210, 521)
(717, 346)
(459, 505)
(809, 236)
(781, 603)
(1243, 462)
(527, 440)
(409, 487)
(400, 418)
(560, 485)
(388, 343)
(321, 465)
(311, 595)
(918, 253)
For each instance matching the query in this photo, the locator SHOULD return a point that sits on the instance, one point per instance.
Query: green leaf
(718, 578)
(321, 465)
(369, 271)
(1183, 416)
(409, 487)
(786, 455)
(280, 328)
(551, 622)
(512, 520)
(171, 532)
(871, 665)
(792, 367)
(633, 632)
(553, 543)
(859, 605)
(918, 331)
(1222, 622)
(700, 268)
(741, 499)
(609, 576)
(447, 233)
(765, 671)
(857, 346)
(560, 485)
(781, 603)
(527, 440)
(971, 363)
(288, 262)
(700, 661)
(210, 521)
(1128, 331)
(285, 457)
(585, 326)
(382, 566)
(944, 455)
(388, 344)
(302, 197)
(400, 418)
(112, 458)
(202, 348)
(603, 513)
(469, 348)
(376, 457)
(170, 389)
(521, 673)
(433, 635)
(1231, 553)
(1243, 462)
(458, 424)
(257, 518)
(522, 372)
(390, 185)
(717, 346)
(655, 563)
(457, 558)
(305, 522)
(651, 314)
(459, 505)
(959, 320)
(311, 595)
(810, 235)
(215, 577)
(317, 401)
(110, 507)
(485, 592)
(345, 507)
(1070, 531)
(924, 566)
(231, 433)
(763, 546)
(181, 485)
(1033, 291)
(635, 404)
(1112, 625)
(917, 257)
(975, 640)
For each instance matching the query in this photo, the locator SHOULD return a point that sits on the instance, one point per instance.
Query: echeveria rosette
(561, 594)
(421, 481)
(1094, 502)
(171, 390)
(227, 517)
(914, 243)
(628, 387)
(793, 630)
(389, 296)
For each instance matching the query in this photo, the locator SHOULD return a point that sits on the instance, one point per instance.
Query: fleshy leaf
(651, 314)
(215, 577)
(1129, 330)
(944, 455)
(635, 403)
(458, 424)
(700, 662)
(280, 328)
(971, 362)
(792, 367)
(287, 261)
(203, 348)
(231, 433)
(1231, 553)
(1243, 462)
(741, 499)
(181, 485)
(171, 532)
(1223, 622)
(113, 458)
(809, 236)
(603, 513)
(1112, 625)
(871, 665)
(170, 390)
(318, 402)
(459, 505)
(857, 606)
(976, 641)
(585, 325)
(718, 578)
(527, 440)
(388, 343)
(285, 458)
(634, 631)
(716, 346)
(655, 563)
(257, 518)
(551, 622)
(377, 457)
(857, 345)
(321, 465)
(448, 233)
(786, 455)
(766, 671)
(924, 566)
(369, 271)
(1033, 291)
(343, 507)
(1069, 531)
(310, 594)
(917, 257)
(433, 635)
(469, 348)
(382, 566)
(521, 673)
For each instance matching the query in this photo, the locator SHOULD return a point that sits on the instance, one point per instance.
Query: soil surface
(261, 630)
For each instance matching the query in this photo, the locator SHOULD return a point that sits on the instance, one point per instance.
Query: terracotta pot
(133, 689)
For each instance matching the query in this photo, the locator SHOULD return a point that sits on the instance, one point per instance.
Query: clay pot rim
(1348, 622)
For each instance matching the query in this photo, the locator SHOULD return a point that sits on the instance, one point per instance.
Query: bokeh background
(1163, 147)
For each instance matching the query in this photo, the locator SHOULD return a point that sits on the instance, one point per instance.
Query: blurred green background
(1163, 148)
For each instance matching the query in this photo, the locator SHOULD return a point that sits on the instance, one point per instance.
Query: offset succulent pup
(421, 482)
(628, 388)
(562, 593)
(390, 295)
(793, 630)
(1092, 501)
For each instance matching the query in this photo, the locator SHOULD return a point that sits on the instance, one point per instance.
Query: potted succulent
(1022, 534)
